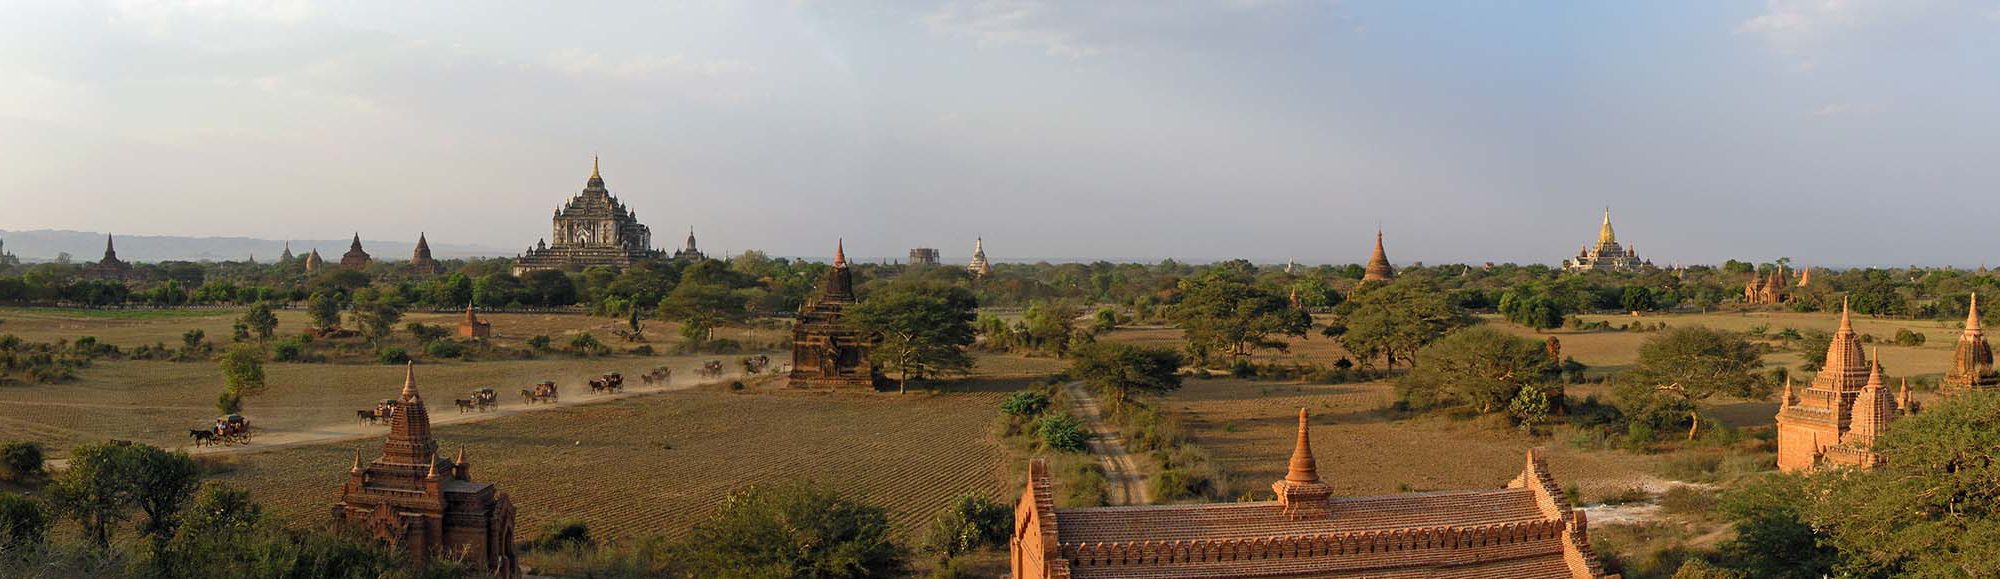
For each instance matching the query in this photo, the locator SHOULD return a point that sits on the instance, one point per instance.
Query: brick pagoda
(1378, 269)
(355, 258)
(313, 262)
(471, 327)
(1523, 530)
(110, 267)
(1847, 396)
(688, 251)
(1972, 361)
(426, 505)
(420, 260)
(593, 228)
(825, 353)
(1766, 291)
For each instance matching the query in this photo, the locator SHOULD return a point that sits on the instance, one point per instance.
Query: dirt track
(1124, 474)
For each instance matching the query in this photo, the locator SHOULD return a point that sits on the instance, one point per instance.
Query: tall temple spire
(1303, 469)
(1972, 359)
(593, 168)
(840, 253)
(1846, 325)
(1378, 268)
(110, 253)
(1604, 233)
(1972, 316)
(1301, 494)
(410, 430)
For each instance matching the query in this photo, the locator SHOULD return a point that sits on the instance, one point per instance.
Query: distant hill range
(46, 245)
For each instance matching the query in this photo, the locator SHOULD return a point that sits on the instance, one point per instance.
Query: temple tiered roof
(1525, 529)
(1378, 268)
(593, 228)
(1972, 359)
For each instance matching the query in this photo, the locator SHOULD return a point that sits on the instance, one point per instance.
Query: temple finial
(593, 167)
(1972, 315)
(357, 462)
(1303, 468)
(1845, 324)
(840, 253)
(410, 382)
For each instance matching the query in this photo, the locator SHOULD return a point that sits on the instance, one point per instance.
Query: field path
(444, 412)
(1124, 474)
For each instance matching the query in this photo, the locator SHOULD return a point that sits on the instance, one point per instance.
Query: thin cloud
(1008, 22)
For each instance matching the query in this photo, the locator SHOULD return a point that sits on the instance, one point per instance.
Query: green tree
(260, 321)
(323, 308)
(700, 308)
(377, 312)
(797, 530)
(919, 328)
(1694, 363)
(106, 481)
(1218, 313)
(1050, 325)
(1483, 368)
(1118, 371)
(242, 376)
(970, 523)
(1933, 510)
(1637, 298)
(1395, 320)
(1774, 537)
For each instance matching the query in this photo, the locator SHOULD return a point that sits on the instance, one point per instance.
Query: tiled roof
(1266, 519)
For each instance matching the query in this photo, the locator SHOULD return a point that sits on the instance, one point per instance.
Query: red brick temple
(471, 327)
(424, 504)
(825, 353)
(1835, 419)
(1523, 530)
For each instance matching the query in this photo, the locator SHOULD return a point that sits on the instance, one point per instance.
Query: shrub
(642, 350)
(426, 332)
(1083, 485)
(793, 531)
(736, 385)
(24, 522)
(444, 349)
(971, 522)
(1061, 432)
(564, 533)
(22, 460)
(587, 345)
(1905, 337)
(1025, 403)
(539, 342)
(291, 349)
(392, 355)
(1175, 484)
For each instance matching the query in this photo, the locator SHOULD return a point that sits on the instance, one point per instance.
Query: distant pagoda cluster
(1607, 255)
(1768, 290)
(7, 259)
(593, 228)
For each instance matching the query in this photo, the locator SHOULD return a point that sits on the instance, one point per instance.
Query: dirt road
(1128, 482)
(438, 399)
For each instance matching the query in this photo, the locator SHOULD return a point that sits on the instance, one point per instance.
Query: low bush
(444, 349)
(392, 355)
(22, 460)
(1061, 432)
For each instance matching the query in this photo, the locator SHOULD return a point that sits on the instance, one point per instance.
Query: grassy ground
(1250, 428)
(656, 465)
(132, 328)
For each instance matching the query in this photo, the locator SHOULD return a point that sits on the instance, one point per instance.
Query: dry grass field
(1249, 427)
(655, 465)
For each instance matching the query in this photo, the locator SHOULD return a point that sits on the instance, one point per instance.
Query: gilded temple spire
(1604, 234)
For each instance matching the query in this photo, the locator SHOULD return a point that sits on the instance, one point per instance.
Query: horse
(202, 436)
(365, 417)
(464, 405)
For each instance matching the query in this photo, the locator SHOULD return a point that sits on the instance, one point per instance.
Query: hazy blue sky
(1831, 131)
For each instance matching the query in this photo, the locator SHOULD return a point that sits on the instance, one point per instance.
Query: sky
(1834, 132)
